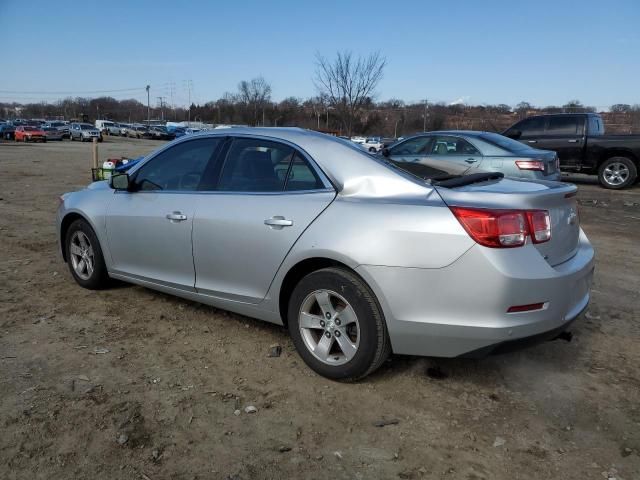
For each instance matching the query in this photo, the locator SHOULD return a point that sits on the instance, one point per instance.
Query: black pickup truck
(582, 146)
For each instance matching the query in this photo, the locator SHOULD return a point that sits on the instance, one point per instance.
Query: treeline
(345, 105)
(390, 118)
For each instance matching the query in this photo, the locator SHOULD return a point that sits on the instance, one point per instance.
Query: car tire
(331, 309)
(617, 173)
(92, 274)
(372, 150)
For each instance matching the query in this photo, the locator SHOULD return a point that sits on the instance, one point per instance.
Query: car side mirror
(386, 152)
(120, 181)
(514, 134)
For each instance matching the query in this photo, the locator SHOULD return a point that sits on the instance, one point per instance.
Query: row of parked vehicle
(41, 130)
(138, 130)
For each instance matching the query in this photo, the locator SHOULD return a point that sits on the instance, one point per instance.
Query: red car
(26, 133)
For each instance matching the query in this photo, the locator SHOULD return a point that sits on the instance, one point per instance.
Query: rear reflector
(530, 165)
(504, 228)
(526, 308)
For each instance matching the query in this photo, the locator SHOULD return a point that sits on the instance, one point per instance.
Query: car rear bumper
(461, 310)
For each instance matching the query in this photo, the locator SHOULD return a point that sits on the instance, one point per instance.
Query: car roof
(469, 133)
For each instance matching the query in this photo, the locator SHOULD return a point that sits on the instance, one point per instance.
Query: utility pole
(189, 86)
(162, 104)
(424, 127)
(148, 106)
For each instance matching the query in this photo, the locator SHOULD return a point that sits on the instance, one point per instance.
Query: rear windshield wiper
(463, 180)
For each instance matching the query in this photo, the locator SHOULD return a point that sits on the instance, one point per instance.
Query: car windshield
(504, 142)
(85, 126)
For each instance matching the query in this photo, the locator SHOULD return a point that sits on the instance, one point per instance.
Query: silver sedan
(475, 151)
(355, 255)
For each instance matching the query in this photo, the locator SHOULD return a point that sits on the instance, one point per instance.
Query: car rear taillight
(539, 225)
(504, 228)
(530, 165)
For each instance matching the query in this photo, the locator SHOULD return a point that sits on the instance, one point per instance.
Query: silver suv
(84, 132)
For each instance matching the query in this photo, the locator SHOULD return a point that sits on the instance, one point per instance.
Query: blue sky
(484, 51)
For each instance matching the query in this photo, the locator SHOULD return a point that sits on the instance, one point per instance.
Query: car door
(149, 229)
(267, 194)
(565, 135)
(527, 131)
(455, 150)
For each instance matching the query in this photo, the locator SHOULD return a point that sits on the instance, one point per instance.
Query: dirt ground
(129, 383)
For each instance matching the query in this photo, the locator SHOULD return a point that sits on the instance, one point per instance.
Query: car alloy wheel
(329, 327)
(616, 173)
(82, 255)
(341, 336)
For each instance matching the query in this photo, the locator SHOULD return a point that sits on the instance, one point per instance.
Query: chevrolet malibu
(357, 256)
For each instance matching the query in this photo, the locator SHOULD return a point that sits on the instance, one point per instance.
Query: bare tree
(255, 95)
(348, 82)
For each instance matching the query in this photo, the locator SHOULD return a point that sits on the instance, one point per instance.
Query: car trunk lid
(514, 194)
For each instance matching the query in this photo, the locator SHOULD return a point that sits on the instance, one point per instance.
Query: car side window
(254, 165)
(179, 168)
(452, 146)
(413, 146)
(562, 126)
(301, 176)
(531, 126)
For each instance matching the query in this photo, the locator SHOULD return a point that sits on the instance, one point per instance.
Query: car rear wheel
(84, 256)
(617, 173)
(337, 326)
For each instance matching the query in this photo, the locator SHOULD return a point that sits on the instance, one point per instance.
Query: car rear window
(504, 142)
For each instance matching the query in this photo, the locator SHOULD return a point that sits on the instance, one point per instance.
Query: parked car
(52, 133)
(358, 139)
(108, 127)
(62, 126)
(7, 131)
(28, 133)
(582, 146)
(157, 132)
(84, 132)
(425, 153)
(465, 265)
(372, 144)
(135, 131)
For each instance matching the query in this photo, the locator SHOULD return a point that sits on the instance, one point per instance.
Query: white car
(358, 139)
(373, 144)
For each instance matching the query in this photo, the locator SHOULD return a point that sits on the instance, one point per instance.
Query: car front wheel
(617, 173)
(337, 326)
(84, 256)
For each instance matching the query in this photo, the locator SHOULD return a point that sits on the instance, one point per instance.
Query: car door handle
(278, 222)
(532, 141)
(471, 160)
(572, 141)
(176, 217)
